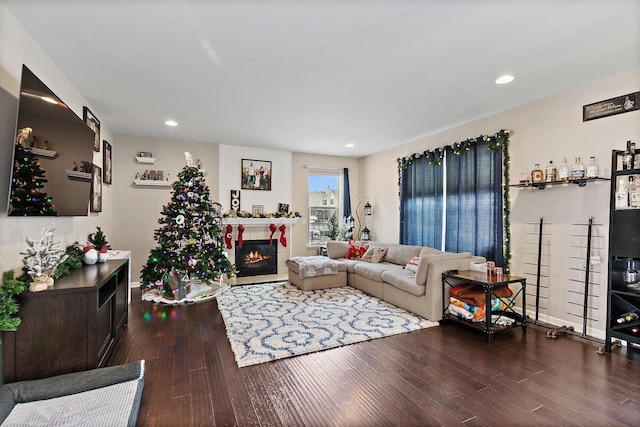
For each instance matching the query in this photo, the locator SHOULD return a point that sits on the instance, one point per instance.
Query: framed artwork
(106, 162)
(283, 208)
(257, 210)
(256, 175)
(96, 189)
(92, 121)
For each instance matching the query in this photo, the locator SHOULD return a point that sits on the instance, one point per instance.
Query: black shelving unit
(624, 245)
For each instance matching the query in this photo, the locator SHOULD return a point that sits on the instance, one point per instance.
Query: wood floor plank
(445, 375)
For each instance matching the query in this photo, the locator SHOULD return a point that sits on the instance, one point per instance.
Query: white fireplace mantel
(259, 222)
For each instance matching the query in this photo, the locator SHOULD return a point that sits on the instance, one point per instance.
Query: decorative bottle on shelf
(592, 169)
(577, 170)
(628, 317)
(550, 172)
(525, 177)
(634, 192)
(622, 195)
(628, 158)
(563, 170)
(537, 176)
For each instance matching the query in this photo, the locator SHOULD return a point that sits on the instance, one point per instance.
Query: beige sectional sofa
(419, 292)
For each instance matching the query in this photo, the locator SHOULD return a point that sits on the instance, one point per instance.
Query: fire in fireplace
(256, 258)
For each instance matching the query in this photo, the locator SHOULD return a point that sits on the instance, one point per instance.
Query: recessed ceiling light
(350, 145)
(171, 123)
(504, 79)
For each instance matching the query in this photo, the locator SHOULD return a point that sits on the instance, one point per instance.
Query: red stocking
(273, 229)
(227, 236)
(240, 231)
(283, 237)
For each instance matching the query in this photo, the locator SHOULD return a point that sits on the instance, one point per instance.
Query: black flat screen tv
(53, 153)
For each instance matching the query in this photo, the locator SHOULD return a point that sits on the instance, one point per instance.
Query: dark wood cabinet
(70, 327)
(623, 298)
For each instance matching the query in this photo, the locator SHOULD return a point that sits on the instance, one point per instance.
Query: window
(325, 189)
(457, 205)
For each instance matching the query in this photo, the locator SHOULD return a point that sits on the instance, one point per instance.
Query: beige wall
(545, 130)
(138, 208)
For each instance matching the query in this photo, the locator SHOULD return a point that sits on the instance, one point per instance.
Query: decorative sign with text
(235, 200)
(610, 107)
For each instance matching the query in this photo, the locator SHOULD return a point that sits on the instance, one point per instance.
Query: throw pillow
(413, 264)
(374, 254)
(356, 250)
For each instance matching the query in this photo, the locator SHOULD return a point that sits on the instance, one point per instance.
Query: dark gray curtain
(421, 204)
(474, 202)
(346, 198)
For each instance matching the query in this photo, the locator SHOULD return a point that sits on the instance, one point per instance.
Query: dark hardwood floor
(445, 375)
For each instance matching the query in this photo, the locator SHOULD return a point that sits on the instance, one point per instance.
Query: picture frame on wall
(256, 175)
(92, 121)
(96, 189)
(106, 163)
(257, 210)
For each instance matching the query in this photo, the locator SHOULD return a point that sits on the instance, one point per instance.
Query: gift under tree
(27, 197)
(189, 238)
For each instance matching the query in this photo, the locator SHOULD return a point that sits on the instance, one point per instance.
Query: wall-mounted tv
(53, 152)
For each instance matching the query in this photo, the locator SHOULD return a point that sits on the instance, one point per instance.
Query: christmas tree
(27, 197)
(190, 237)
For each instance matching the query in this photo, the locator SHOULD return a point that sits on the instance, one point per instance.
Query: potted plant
(98, 243)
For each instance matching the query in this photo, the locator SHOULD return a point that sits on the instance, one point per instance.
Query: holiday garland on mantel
(495, 142)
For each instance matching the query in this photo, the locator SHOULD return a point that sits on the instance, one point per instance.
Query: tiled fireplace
(257, 233)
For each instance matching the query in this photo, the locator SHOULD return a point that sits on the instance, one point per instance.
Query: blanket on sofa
(312, 266)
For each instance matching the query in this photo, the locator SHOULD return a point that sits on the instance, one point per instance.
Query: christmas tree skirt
(199, 292)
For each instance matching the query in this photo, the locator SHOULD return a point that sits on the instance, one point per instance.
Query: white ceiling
(312, 76)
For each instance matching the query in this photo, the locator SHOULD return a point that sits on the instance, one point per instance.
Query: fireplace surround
(259, 229)
(257, 257)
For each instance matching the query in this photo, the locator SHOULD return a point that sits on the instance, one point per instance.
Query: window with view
(324, 202)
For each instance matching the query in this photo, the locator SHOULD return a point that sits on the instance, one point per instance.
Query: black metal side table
(487, 284)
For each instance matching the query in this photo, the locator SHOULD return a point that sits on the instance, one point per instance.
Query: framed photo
(96, 189)
(106, 162)
(257, 210)
(92, 121)
(145, 154)
(283, 208)
(256, 175)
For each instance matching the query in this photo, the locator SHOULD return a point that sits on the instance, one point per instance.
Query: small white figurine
(189, 159)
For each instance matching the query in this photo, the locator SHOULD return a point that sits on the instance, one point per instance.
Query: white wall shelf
(150, 160)
(86, 176)
(44, 153)
(151, 183)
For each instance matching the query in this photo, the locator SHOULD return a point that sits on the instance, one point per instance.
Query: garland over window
(495, 142)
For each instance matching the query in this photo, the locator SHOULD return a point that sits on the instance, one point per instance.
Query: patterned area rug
(276, 320)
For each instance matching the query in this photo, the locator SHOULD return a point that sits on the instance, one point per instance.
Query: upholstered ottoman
(316, 272)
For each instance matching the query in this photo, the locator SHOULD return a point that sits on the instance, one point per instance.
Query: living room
(548, 127)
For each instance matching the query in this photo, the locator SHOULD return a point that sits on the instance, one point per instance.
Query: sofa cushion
(401, 254)
(356, 249)
(294, 264)
(426, 260)
(374, 271)
(426, 250)
(374, 254)
(404, 280)
(337, 249)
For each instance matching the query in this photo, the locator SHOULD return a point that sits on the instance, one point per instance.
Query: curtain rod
(323, 169)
